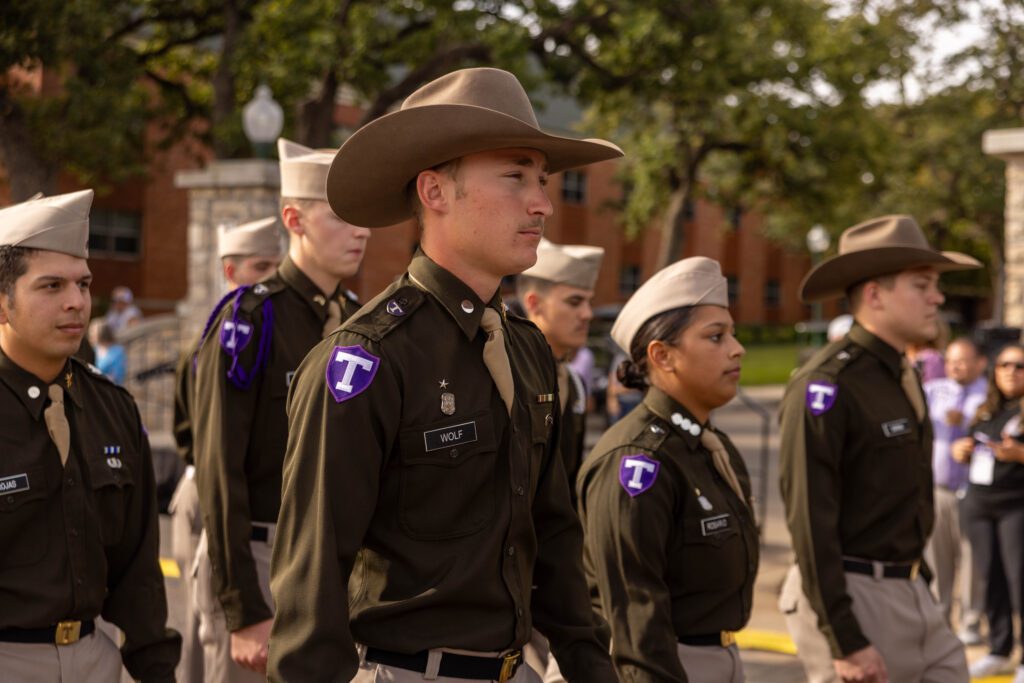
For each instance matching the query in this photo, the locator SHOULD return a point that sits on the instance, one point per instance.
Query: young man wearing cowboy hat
(78, 514)
(244, 367)
(856, 469)
(249, 253)
(425, 512)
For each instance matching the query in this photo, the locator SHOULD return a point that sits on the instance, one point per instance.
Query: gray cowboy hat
(880, 246)
(464, 112)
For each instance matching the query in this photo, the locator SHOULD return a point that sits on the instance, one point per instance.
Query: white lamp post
(262, 120)
(818, 241)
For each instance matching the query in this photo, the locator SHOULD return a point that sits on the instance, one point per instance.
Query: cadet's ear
(229, 269)
(291, 218)
(4, 306)
(430, 190)
(658, 356)
(531, 302)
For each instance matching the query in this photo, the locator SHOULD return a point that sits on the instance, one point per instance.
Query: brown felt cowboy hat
(464, 112)
(880, 246)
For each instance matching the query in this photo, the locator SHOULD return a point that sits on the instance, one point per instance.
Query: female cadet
(671, 545)
(993, 508)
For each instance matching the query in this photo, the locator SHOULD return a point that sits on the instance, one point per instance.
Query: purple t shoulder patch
(821, 396)
(637, 473)
(350, 371)
(235, 336)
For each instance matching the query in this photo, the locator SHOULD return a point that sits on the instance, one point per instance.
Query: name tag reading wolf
(446, 437)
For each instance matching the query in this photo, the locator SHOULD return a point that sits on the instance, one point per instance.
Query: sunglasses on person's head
(1015, 364)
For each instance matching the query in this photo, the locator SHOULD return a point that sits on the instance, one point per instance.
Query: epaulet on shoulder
(832, 360)
(652, 435)
(386, 312)
(254, 296)
(97, 374)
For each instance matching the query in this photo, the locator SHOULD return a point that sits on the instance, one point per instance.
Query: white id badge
(982, 465)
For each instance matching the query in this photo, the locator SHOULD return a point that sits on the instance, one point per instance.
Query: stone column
(224, 193)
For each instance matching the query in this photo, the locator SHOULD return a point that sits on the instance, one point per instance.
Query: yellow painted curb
(768, 641)
(170, 568)
(1004, 678)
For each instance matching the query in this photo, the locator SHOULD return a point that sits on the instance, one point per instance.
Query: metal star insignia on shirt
(443, 384)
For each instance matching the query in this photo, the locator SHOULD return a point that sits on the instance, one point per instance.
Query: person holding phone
(994, 507)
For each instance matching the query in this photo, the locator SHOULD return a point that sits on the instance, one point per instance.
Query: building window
(733, 285)
(629, 279)
(574, 187)
(115, 233)
(772, 295)
(735, 217)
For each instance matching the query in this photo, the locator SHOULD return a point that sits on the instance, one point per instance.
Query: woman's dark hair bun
(631, 375)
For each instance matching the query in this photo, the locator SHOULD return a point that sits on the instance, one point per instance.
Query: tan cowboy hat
(464, 112)
(880, 246)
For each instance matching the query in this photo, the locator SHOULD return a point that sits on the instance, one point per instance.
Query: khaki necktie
(496, 357)
(912, 388)
(333, 317)
(57, 422)
(720, 456)
(563, 385)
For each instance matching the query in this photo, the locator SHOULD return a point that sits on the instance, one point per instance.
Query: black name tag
(15, 484)
(709, 526)
(895, 428)
(446, 437)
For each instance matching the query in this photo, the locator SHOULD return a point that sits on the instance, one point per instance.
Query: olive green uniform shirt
(81, 540)
(241, 434)
(856, 473)
(668, 553)
(184, 381)
(416, 513)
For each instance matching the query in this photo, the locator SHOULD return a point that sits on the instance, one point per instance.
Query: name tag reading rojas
(895, 428)
(446, 437)
(15, 484)
(709, 526)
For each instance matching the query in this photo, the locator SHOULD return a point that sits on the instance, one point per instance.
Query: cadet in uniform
(245, 364)
(556, 294)
(425, 511)
(78, 512)
(671, 547)
(856, 472)
(249, 253)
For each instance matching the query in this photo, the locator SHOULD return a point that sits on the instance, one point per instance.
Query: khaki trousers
(94, 658)
(213, 632)
(371, 672)
(186, 524)
(899, 617)
(948, 553)
(711, 664)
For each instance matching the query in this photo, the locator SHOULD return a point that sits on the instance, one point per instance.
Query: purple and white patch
(350, 371)
(235, 336)
(637, 473)
(821, 396)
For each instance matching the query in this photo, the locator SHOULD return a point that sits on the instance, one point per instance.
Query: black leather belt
(500, 669)
(882, 570)
(260, 533)
(64, 633)
(719, 639)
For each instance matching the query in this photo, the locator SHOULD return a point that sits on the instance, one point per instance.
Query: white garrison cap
(695, 281)
(303, 170)
(575, 265)
(261, 237)
(57, 223)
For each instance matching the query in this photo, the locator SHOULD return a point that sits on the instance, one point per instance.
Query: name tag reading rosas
(446, 437)
(15, 484)
(709, 526)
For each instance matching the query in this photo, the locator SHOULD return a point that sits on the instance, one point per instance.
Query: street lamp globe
(818, 240)
(262, 119)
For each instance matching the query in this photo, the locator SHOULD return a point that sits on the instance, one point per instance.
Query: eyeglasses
(1016, 365)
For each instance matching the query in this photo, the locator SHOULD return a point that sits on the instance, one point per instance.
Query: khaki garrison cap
(695, 281)
(303, 170)
(576, 265)
(261, 237)
(59, 223)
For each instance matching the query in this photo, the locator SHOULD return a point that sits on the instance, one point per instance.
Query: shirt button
(511, 551)
(10, 499)
(453, 453)
(74, 533)
(519, 611)
(71, 481)
(520, 490)
(78, 582)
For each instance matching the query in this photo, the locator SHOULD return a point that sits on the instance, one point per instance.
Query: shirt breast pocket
(447, 481)
(713, 553)
(24, 517)
(112, 486)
